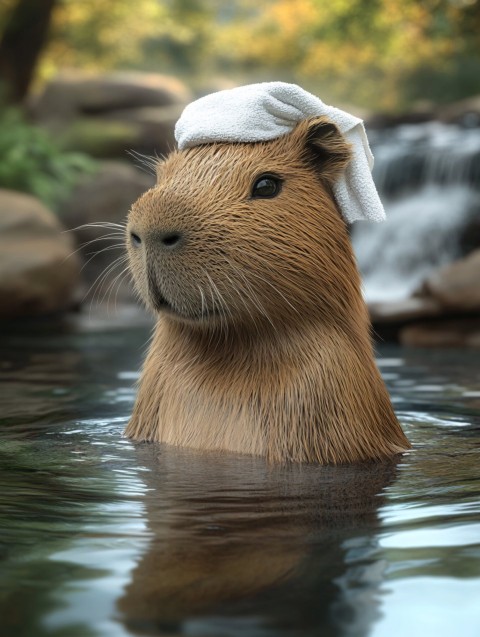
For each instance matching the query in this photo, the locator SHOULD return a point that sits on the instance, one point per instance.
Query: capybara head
(246, 233)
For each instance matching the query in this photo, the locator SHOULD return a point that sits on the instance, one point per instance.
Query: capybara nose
(170, 240)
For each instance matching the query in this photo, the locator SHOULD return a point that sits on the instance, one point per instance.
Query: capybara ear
(326, 148)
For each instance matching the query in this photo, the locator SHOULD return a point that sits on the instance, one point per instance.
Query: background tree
(24, 36)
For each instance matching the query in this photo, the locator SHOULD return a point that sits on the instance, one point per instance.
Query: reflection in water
(229, 532)
(105, 538)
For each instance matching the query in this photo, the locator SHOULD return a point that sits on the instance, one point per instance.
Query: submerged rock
(38, 273)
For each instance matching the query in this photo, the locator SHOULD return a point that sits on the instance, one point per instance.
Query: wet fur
(266, 349)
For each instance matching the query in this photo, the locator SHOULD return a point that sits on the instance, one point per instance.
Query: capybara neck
(262, 344)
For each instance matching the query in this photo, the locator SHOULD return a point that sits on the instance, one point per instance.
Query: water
(102, 537)
(428, 176)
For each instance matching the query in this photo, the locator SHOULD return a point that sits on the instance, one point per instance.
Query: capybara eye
(135, 239)
(266, 186)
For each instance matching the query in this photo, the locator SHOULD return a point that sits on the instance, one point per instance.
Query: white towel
(262, 112)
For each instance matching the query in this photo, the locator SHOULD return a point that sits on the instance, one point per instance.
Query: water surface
(102, 537)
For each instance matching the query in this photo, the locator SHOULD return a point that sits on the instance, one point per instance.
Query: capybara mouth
(161, 304)
(193, 317)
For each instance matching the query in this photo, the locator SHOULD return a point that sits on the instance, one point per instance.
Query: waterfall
(428, 176)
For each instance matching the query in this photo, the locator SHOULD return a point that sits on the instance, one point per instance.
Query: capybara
(262, 344)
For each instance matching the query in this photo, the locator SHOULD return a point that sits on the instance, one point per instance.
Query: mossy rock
(100, 138)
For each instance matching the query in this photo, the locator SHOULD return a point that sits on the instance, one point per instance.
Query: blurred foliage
(381, 54)
(33, 163)
(368, 51)
(96, 34)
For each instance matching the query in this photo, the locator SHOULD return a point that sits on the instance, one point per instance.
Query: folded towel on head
(262, 112)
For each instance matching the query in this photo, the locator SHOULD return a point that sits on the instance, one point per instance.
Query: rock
(460, 332)
(380, 121)
(105, 196)
(154, 127)
(38, 274)
(108, 115)
(464, 112)
(146, 130)
(450, 301)
(75, 94)
(404, 310)
(469, 237)
(456, 286)
(100, 138)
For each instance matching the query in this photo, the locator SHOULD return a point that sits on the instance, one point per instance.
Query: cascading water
(428, 176)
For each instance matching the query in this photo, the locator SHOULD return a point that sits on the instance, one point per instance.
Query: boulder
(107, 115)
(39, 273)
(74, 94)
(105, 196)
(444, 312)
(147, 130)
(464, 112)
(456, 286)
(459, 332)
(404, 310)
(154, 127)
(99, 137)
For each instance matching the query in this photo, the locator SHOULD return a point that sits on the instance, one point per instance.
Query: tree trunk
(21, 43)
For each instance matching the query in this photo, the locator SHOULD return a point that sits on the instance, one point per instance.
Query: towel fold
(262, 112)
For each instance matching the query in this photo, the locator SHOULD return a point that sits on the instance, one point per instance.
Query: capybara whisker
(120, 236)
(99, 281)
(150, 163)
(92, 255)
(107, 225)
(115, 284)
(202, 296)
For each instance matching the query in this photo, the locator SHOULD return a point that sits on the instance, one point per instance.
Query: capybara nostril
(171, 240)
(136, 239)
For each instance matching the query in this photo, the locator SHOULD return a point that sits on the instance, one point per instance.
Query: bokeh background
(90, 90)
(103, 537)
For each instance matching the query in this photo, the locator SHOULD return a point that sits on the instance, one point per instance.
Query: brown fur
(265, 348)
